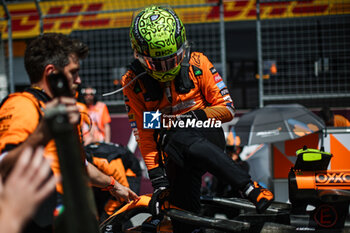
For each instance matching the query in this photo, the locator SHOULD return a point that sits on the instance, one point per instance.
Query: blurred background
(302, 48)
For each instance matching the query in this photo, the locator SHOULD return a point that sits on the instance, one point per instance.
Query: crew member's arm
(107, 132)
(106, 120)
(101, 180)
(115, 168)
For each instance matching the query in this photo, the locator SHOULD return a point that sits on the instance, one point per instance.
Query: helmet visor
(163, 64)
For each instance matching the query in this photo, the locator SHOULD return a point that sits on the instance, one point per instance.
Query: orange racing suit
(198, 92)
(209, 94)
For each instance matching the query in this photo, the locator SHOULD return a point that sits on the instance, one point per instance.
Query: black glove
(159, 197)
(161, 192)
(158, 178)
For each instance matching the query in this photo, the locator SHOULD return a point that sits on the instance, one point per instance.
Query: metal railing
(304, 57)
(104, 26)
(302, 46)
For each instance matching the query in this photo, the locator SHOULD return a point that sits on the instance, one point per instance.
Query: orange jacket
(209, 94)
(340, 121)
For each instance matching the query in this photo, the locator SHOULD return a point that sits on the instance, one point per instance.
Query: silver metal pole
(40, 13)
(223, 41)
(306, 96)
(10, 46)
(260, 65)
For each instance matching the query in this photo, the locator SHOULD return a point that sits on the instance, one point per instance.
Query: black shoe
(261, 197)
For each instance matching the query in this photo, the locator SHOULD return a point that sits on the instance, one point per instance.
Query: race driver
(168, 81)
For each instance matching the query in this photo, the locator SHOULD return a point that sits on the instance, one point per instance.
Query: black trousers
(192, 152)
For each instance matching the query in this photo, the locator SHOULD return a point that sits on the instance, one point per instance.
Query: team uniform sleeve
(106, 118)
(19, 118)
(215, 92)
(144, 137)
(115, 168)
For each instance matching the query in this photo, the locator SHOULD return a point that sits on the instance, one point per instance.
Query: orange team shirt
(85, 121)
(340, 121)
(209, 94)
(19, 117)
(99, 117)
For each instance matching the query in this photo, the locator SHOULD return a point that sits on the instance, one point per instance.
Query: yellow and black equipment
(320, 197)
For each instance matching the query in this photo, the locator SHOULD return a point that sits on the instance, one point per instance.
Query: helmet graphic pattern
(157, 32)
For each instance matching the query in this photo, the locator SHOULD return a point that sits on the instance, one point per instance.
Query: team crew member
(169, 79)
(100, 119)
(21, 113)
(334, 120)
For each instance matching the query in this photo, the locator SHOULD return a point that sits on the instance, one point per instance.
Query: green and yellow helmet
(158, 38)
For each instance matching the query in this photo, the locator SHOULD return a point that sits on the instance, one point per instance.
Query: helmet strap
(183, 82)
(168, 93)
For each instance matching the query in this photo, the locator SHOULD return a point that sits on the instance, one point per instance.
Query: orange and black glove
(161, 192)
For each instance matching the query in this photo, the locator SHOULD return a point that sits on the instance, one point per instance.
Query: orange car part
(322, 180)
